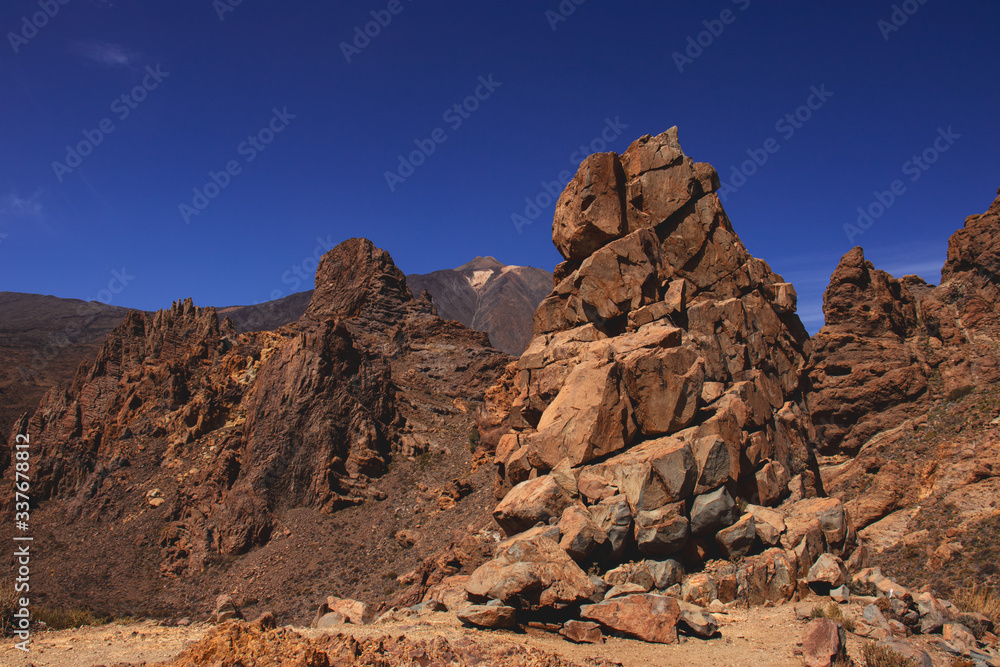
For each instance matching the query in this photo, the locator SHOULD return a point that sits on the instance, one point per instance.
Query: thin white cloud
(13, 205)
(102, 53)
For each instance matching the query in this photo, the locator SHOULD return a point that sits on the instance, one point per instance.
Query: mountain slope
(487, 295)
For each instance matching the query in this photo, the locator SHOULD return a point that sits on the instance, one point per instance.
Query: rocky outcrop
(198, 440)
(902, 393)
(659, 410)
(890, 347)
(665, 366)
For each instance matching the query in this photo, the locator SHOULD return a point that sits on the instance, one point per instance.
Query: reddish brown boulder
(823, 643)
(534, 571)
(530, 502)
(589, 213)
(582, 632)
(651, 618)
(488, 616)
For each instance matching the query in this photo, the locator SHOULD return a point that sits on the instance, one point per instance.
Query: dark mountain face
(43, 340)
(489, 296)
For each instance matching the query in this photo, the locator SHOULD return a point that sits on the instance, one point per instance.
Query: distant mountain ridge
(488, 295)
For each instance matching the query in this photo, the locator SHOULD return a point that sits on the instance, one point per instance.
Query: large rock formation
(889, 347)
(662, 393)
(902, 393)
(195, 442)
(487, 295)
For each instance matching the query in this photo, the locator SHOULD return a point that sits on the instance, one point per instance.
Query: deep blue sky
(323, 175)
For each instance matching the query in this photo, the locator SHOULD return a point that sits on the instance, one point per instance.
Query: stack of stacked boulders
(657, 434)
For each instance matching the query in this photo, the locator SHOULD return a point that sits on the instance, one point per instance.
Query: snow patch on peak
(479, 278)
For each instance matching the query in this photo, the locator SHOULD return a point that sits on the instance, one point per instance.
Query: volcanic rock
(823, 643)
(652, 618)
(534, 571)
(712, 511)
(488, 616)
(582, 632)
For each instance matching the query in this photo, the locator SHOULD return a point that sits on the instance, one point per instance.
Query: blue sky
(287, 135)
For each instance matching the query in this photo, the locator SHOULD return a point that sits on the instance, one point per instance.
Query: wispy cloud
(102, 53)
(13, 205)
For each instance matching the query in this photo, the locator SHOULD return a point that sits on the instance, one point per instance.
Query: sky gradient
(216, 149)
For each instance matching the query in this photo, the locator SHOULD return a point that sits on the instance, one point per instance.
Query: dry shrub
(833, 612)
(979, 599)
(880, 656)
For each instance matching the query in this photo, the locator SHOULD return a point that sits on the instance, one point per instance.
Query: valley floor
(758, 636)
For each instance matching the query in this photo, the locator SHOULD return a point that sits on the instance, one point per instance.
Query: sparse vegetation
(474, 438)
(865, 588)
(879, 656)
(980, 600)
(833, 612)
(65, 619)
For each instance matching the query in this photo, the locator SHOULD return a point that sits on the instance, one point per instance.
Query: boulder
(613, 517)
(697, 620)
(841, 594)
(580, 533)
(931, 612)
(827, 572)
(590, 417)
(625, 589)
(330, 619)
(649, 617)
(589, 212)
(226, 610)
(737, 540)
(665, 387)
(654, 473)
(712, 511)
(769, 524)
(662, 531)
(907, 650)
(631, 573)
(665, 573)
(534, 571)
(530, 502)
(582, 632)
(353, 611)
(711, 455)
(699, 589)
(488, 616)
(769, 577)
(823, 643)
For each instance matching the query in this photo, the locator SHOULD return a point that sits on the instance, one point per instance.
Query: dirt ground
(759, 636)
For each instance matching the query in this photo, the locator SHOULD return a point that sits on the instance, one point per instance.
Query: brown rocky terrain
(184, 446)
(487, 295)
(903, 392)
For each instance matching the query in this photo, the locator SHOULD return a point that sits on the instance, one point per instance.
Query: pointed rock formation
(662, 390)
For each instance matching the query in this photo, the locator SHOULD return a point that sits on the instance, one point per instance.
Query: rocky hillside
(184, 446)
(489, 296)
(904, 397)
